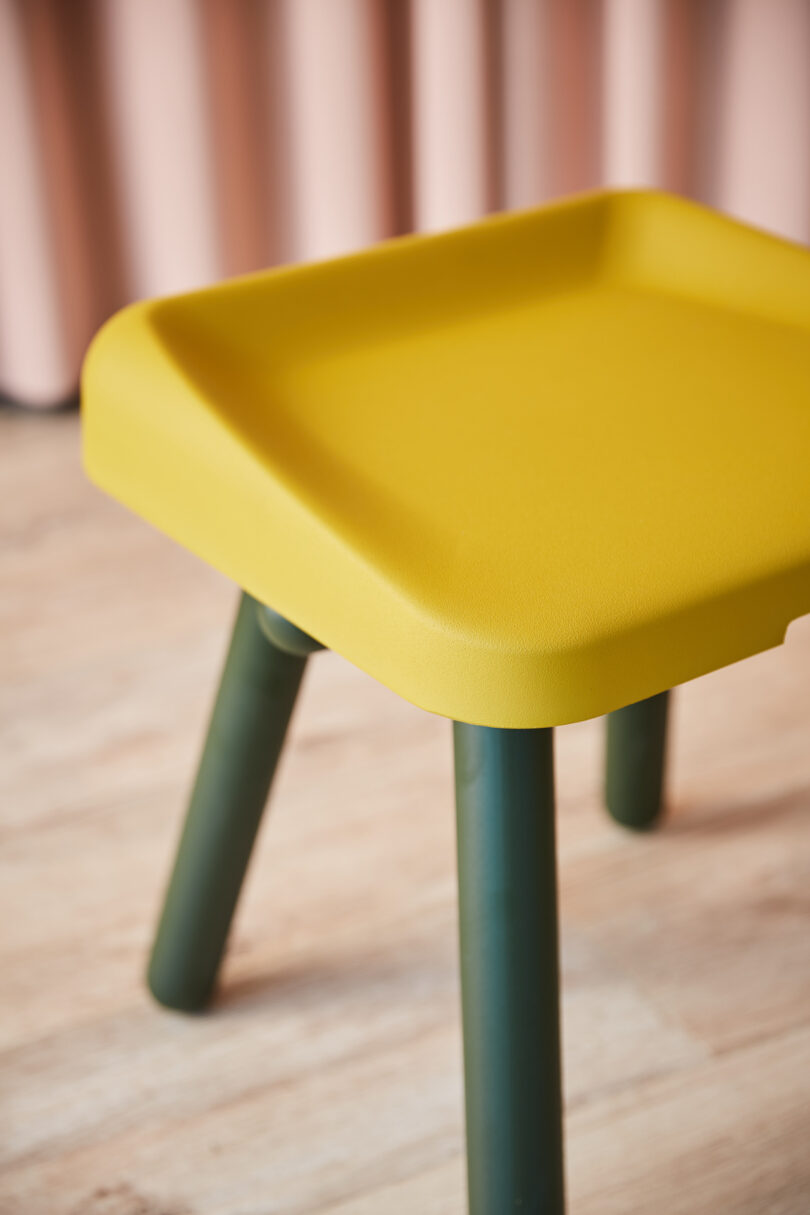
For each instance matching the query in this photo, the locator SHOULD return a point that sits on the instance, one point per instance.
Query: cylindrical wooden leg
(636, 761)
(509, 970)
(255, 700)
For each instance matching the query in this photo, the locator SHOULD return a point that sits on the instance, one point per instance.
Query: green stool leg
(636, 759)
(253, 707)
(509, 970)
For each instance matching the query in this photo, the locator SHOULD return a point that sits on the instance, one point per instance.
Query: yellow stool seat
(523, 473)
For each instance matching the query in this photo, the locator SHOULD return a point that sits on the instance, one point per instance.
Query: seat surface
(523, 473)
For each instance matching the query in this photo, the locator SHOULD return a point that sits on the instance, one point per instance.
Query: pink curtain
(150, 146)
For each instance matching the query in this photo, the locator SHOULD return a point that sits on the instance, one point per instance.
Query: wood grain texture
(328, 1076)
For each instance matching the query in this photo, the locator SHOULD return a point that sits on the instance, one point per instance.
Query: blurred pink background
(150, 146)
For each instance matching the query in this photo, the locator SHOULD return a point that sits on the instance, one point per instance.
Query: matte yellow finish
(523, 473)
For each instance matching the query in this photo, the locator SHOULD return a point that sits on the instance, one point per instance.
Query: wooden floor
(327, 1078)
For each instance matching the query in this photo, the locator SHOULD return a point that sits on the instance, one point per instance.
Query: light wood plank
(328, 1076)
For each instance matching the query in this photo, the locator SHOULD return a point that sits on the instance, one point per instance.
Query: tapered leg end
(636, 763)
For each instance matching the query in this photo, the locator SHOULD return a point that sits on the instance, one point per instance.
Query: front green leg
(636, 762)
(509, 970)
(256, 696)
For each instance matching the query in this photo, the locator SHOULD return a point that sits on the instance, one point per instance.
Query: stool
(538, 470)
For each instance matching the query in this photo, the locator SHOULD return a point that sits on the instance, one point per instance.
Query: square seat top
(523, 473)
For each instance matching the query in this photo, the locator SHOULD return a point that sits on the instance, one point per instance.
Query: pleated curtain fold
(152, 146)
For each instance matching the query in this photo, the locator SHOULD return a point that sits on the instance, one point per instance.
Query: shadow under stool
(531, 472)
